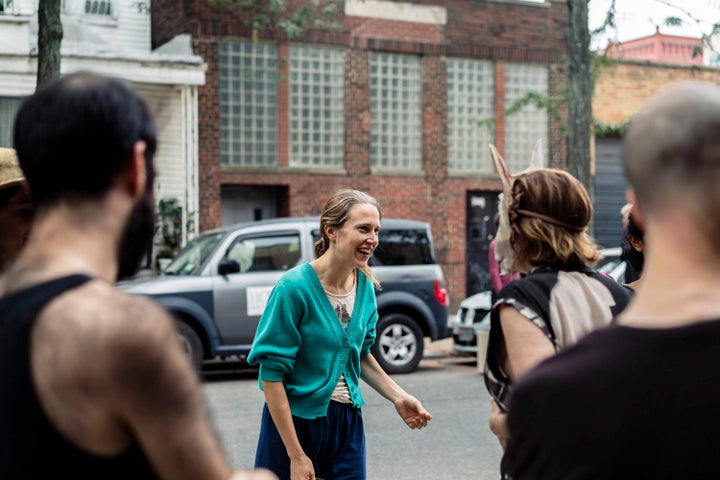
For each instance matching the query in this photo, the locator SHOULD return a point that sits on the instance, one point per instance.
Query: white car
(473, 316)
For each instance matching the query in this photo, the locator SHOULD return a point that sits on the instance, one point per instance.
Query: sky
(638, 18)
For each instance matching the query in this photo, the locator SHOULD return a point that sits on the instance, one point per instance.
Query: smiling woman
(313, 346)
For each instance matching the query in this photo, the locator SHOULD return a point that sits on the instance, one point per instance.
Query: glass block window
(248, 104)
(524, 128)
(396, 99)
(471, 96)
(99, 7)
(317, 107)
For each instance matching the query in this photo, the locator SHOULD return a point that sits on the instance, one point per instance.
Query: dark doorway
(481, 209)
(247, 203)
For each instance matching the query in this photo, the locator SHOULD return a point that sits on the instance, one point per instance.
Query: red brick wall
(209, 137)
(496, 31)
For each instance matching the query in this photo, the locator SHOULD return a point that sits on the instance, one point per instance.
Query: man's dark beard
(137, 237)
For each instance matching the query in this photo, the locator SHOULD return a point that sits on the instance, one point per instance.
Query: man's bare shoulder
(99, 320)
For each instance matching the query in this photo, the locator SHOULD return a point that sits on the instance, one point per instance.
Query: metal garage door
(610, 185)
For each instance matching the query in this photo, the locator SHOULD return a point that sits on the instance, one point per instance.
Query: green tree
(289, 16)
(50, 35)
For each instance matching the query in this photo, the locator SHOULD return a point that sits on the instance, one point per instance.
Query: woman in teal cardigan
(313, 346)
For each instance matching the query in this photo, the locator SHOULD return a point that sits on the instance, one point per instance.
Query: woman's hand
(412, 412)
(301, 468)
(498, 424)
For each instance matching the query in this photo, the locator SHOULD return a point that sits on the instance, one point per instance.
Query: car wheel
(190, 343)
(399, 345)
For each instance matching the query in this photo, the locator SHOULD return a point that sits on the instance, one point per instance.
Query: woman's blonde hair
(549, 213)
(335, 214)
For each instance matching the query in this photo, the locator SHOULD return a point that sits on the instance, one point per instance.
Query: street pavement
(456, 445)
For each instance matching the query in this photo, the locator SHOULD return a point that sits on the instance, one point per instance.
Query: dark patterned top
(565, 304)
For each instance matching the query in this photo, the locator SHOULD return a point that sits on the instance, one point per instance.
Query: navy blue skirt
(335, 444)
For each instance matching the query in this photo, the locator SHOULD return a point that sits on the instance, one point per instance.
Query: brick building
(661, 48)
(620, 91)
(400, 102)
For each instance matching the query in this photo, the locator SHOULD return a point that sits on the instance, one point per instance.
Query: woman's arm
(525, 344)
(301, 467)
(407, 406)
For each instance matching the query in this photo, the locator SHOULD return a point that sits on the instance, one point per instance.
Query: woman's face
(356, 240)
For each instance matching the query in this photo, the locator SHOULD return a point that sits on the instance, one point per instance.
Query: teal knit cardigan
(301, 343)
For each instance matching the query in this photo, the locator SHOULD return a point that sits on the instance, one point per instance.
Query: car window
(265, 253)
(410, 246)
(403, 247)
(194, 254)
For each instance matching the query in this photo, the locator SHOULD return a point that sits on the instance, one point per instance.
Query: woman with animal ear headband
(544, 214)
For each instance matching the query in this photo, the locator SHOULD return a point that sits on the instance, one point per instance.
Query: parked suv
(218, 285)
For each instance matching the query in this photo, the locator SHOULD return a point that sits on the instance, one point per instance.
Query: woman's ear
(330, 232)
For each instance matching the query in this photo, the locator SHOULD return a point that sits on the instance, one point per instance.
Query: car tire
(399, 343)
(190, 343)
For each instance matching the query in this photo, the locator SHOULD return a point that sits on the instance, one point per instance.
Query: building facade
(660, 48)
(620, 90)
(400, 99)
(112, 37)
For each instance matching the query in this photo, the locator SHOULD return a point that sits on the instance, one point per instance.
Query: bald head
(672, 152)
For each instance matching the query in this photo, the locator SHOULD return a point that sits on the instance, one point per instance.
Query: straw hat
(10, 172)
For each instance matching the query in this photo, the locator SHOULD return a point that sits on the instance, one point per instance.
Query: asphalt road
(456, 444)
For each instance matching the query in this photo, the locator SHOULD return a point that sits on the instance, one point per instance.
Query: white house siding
(120, 47)
(176, 157)
(127, 30)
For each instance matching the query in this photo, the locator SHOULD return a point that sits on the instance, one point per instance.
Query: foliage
(601, 129)
(287, 16)
(170, 227)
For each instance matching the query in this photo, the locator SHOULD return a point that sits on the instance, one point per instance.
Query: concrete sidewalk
(439, 348)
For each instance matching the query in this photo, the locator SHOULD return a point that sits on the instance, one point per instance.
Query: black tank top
(30, 446)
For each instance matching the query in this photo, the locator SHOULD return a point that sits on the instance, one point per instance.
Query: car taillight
(441, 294)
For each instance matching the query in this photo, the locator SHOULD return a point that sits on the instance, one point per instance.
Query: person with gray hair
(639, 399)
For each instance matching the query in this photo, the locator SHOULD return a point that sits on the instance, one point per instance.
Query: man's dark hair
(635, 258)
(74, 135)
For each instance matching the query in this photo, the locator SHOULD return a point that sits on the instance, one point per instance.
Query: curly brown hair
(549, 212)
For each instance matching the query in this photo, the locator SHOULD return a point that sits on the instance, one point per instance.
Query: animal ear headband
(507, 178)
(536, 161)
(503, 248)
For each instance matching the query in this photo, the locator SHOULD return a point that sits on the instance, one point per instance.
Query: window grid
(471, 95)
(524, 128)
(395, 92)
(99, 7)
(317, 113)
(248, 104)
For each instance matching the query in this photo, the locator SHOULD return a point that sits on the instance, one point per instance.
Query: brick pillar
(500, 107)
(209, 134)
(283, 105)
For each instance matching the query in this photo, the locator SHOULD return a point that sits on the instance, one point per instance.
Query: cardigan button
(346, 343)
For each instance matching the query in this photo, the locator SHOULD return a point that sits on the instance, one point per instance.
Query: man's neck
(680, 284)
